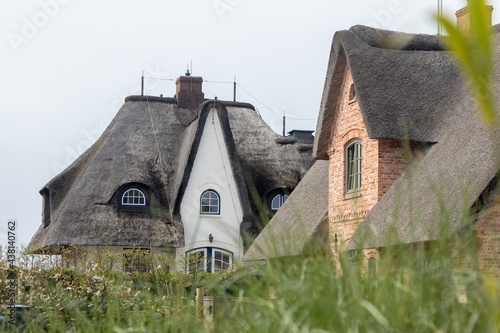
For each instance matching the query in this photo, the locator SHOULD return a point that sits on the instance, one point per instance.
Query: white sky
(67, 65)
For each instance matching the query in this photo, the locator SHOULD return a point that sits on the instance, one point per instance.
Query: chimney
(302, 134)
(464, 19)
(188, 91)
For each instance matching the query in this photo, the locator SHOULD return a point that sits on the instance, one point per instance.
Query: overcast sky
(67, 65)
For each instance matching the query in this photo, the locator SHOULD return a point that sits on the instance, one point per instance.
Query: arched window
(210, 203)
(208, 259)
(353, 166)
(372, 267)
(278, 201)
(133, 197)
(352, 93)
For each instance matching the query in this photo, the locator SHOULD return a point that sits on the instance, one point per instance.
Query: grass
(412, 291)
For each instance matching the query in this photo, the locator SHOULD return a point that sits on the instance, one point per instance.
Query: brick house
(401, 141)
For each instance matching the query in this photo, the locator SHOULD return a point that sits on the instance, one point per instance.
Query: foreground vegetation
(411, 291)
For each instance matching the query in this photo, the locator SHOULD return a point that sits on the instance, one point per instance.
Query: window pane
(353, 166)
(210, 202)
(196, 261)
(133, 197)
(275, 203)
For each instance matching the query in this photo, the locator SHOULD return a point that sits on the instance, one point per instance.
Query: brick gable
(382, 162)
(486, 232)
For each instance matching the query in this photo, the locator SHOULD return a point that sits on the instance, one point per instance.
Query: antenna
(284, 119)
(142, 84)
(440, 16)
(234, 90)
(191, 66)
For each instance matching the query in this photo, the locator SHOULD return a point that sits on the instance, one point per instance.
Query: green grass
(413, 290)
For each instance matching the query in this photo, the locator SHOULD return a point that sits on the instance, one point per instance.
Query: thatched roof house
(408, 90)
(456, 177)
(152, 145)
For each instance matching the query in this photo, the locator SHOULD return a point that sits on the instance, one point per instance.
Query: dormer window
(210, 203)
(277, 201)
(133, 197)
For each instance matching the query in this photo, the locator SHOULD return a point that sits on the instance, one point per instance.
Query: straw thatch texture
(84, 207)
(432, 199)
(297, 222)
(403, 84)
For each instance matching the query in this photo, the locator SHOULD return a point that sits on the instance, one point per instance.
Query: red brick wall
(188, 92)
(487, 233)
(463, 19)
(382, 162)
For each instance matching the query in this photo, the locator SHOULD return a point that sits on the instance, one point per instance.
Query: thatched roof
(303, 217)
(432, 199)
(84, 207)
(403, 83)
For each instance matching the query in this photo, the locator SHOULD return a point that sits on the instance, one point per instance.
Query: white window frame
(225, 264)
(223, 252)
(278, 199)
(210, 205)
(204, 259)
(139, 194)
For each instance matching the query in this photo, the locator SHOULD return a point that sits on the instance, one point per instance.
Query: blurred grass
(413, 290)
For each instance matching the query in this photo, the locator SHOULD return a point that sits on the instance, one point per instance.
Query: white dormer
(211, 210)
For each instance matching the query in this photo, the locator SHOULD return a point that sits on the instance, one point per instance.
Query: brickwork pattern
(464, 22)
(382, 162)
(487, 233)
(188, 91)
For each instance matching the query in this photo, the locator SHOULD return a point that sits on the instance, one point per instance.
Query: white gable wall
(212, 171)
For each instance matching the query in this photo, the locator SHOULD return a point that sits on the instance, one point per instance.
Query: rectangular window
(353, 166)
(208, 259)
(221, 260)
(196, 261)
(136, 260)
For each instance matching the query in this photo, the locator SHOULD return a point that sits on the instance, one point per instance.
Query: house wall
(487, 234)
(212, 170)
(84, 256)
(382, 163)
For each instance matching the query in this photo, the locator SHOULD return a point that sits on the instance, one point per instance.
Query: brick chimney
(188, 91)
(464, 20)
